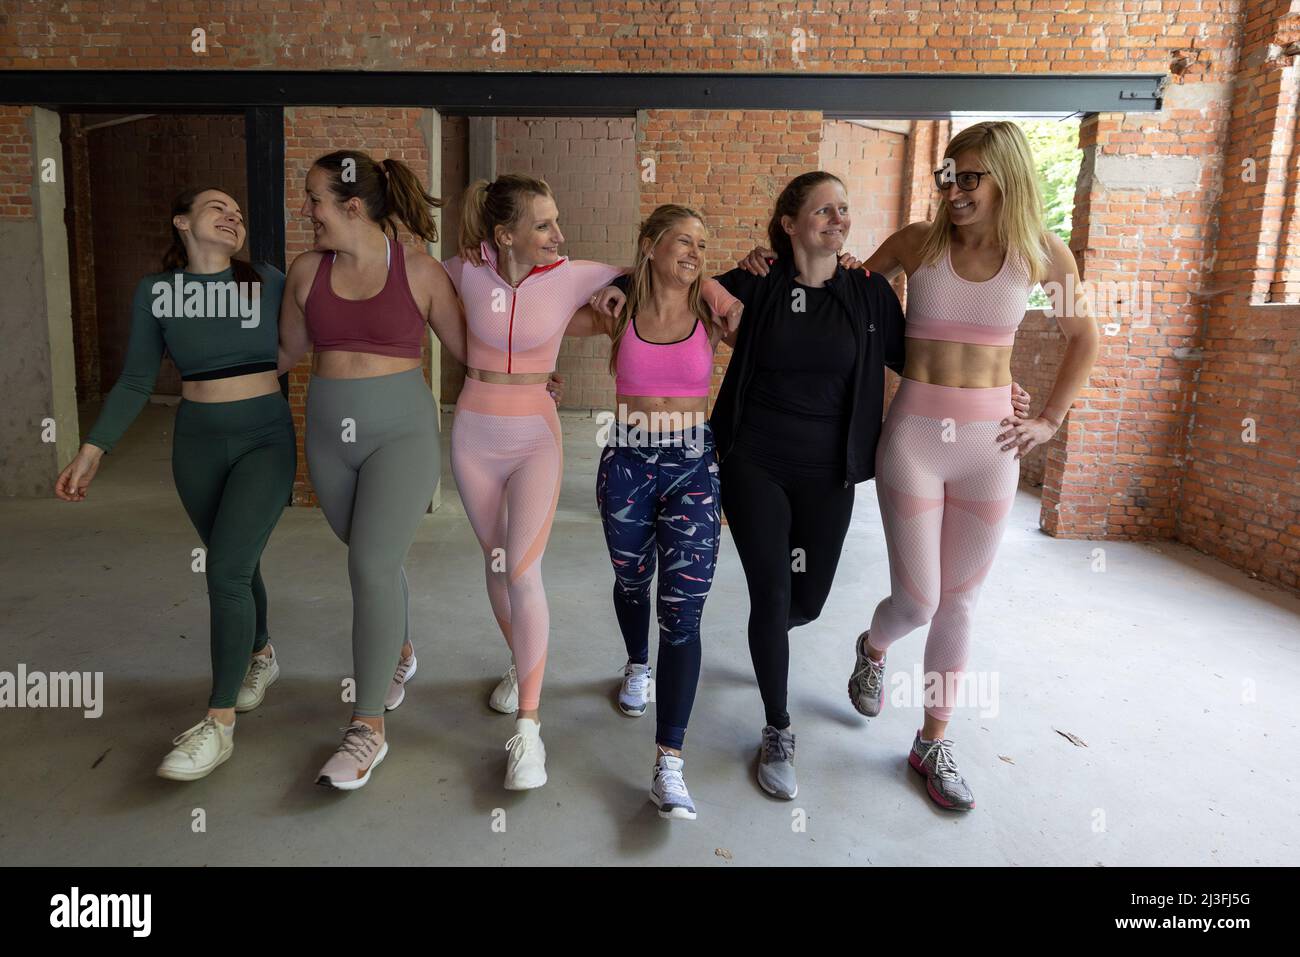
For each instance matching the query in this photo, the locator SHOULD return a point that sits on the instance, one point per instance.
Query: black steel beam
(264, 160)
(838, 95)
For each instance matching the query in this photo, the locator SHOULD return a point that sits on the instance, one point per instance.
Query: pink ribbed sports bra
(942, 305)
(681, 368)
(387, 324)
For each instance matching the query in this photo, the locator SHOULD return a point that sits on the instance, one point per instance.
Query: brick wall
(978, 36)
(15, 163)
(1239, 500)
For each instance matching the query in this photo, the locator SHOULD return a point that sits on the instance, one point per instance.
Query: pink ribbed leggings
(945, 489)
(507, 457)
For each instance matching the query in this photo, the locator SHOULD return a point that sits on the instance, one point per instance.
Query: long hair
(1004, 152)
(789, 203)
(389, 191)
(501, 202)
(641, 286)
(177, 258)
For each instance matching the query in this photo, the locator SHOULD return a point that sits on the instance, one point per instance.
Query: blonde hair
(499, 203)
(1004, 152)
(641, 281)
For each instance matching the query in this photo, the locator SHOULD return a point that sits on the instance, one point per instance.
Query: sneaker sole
(681, 813)
(518, 786)
(915, 764)
(776, 794)
(242, 709)
(361, 781)
(402, 697)
(631, 714)
(195, 775)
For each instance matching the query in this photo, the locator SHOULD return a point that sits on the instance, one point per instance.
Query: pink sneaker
(360, 753)
(397, 691)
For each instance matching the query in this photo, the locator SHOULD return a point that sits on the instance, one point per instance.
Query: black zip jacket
(877, 316)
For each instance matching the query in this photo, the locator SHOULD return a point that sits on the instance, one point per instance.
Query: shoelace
(672, 783)
(637, 681)
(511, 743)
(260, 663)
(403, 669)
(945, 764)
(189, 742)
(775, 745)
(874, 672)
(358, 740)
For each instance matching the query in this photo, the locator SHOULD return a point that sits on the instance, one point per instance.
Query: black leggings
(771, 513)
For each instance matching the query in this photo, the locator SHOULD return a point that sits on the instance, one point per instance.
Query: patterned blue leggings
(662, 501)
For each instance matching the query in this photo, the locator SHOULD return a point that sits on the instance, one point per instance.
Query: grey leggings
(372, 450)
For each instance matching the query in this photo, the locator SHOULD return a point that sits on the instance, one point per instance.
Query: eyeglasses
(966, 182)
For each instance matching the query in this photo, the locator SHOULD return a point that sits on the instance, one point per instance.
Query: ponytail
(499, 203)
(389, 191)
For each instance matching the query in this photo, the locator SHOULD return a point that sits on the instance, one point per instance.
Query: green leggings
(234, 464)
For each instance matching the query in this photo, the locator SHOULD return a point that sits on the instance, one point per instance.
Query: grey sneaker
(776, 763)
(668, 789)
(943, 782)
(637, 690)
(867, 683)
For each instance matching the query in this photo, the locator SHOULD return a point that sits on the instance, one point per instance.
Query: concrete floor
(1178, 672)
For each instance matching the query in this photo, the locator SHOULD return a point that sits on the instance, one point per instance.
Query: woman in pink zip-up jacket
(506, 451)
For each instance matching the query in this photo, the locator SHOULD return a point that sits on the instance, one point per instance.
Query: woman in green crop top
(233, 450)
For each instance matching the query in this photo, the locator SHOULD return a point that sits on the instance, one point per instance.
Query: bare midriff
(338, 364)
(961, 365)
(508, 378)
(231, 390)
(665, 414)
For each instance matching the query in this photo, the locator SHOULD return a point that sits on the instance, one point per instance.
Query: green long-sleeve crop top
(211, 327)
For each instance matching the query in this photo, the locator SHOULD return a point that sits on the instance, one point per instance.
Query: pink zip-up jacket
(519, 328)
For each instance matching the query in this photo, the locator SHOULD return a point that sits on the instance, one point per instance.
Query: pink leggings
(507, 457)
(945, 489)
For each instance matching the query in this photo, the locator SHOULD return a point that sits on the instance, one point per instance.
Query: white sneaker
(397, 690)
(526, 764)
(505, 696)
(637, 690)
(199, 751)
(668, 789)
(262, 672)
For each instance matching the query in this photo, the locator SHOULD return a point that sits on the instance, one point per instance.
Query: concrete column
(38, 428)
(482, 148)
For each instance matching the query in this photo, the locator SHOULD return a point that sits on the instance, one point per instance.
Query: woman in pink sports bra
(506, 451)
(947, 470)
(657, 485)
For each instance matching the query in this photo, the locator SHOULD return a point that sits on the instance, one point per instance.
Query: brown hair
(499, 203)
(176, 258)
(389, 191)
(789, 203)
(641, 282)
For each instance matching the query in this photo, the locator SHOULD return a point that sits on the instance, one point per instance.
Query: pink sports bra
(680, 368)
(942, 305)
(387, 324)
